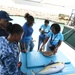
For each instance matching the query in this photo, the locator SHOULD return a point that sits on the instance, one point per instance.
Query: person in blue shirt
(4, 20)
(54, 38)
(28, 31)
(9, 50)
(44, 29)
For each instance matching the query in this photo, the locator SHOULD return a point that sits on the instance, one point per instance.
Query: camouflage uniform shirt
(9, 57)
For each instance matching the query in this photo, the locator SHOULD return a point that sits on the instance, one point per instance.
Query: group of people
(51, 36)
(27, 40)
(11, 34)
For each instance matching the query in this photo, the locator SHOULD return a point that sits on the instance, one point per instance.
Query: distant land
(21, 12)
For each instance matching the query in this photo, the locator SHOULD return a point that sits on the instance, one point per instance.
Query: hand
(55, 50)
(19, 64)
(42, 32)
(24, 50)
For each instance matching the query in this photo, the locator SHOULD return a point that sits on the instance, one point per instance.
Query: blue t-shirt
(54, 39)
(27, 33)
(46, 30)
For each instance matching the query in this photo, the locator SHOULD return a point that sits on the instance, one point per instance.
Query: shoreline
(14, 11)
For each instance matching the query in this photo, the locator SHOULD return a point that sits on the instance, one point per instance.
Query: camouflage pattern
(9, 57)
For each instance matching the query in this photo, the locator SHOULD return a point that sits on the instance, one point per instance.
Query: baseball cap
(5, 15)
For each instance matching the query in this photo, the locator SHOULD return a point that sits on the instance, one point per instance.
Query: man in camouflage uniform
(9, 51)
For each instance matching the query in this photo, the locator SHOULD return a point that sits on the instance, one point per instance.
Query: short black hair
(56, 27)
(26, 15)
(14, 28)
(29, 17)
(46, 21)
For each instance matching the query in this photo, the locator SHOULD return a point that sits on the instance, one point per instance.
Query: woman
(28, 31)
(9, 50)
(54, 38)
(44, 29)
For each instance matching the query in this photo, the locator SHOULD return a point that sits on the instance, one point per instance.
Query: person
(4, 20)
(44, 29)
(9, 50)
(54, 38)
(31, 45)
(28, 31)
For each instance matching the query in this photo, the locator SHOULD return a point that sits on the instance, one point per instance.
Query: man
(4, 21)
(44, 30)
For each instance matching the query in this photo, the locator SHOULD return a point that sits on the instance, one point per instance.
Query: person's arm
(41, 29)
(57, 46)
(45, 41)
(23, 49)
(22, 42)
(59, 43)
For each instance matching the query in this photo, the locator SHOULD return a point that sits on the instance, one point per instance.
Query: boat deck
(35, 60)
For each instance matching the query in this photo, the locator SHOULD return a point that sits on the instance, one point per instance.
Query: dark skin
(24, 50)
(3, 23)
(15, 38)
(45, 41)
(42, 31)
(30, 24)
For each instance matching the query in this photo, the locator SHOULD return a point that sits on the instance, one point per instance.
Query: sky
(67, 9)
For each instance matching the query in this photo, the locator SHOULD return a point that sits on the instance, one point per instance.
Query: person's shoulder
(25, 25)
(50, 33)
(60, 34)
(49, 25)
(2, 37)
(3, 41)
(42, 25)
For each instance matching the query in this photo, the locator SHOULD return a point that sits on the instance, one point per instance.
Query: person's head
(4, 19)
(55, 28)
(26, 15)
(15, 32)
(46, 22)
(30, 20)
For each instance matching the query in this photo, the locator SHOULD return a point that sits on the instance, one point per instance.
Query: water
(38, 22)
